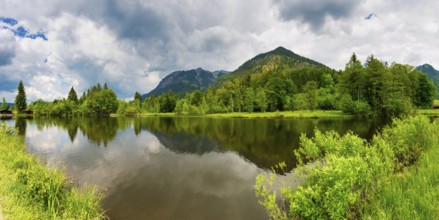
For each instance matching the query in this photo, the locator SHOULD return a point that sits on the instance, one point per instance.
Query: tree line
(373, 88)
(97, 101)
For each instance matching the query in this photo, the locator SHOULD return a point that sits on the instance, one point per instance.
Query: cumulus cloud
(132, 44)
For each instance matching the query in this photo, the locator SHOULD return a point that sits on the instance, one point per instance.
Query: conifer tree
(20, 99)
(72, 95)
(137, 96)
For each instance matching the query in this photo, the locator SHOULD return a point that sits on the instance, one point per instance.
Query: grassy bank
(30, 189)
(285, 114)
(413, 194)
(428, 112)
(394, 176)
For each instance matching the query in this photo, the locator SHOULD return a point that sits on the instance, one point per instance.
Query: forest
(371, 89)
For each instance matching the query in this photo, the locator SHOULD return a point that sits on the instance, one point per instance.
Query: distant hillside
(279, 58)
(432, 73)
(182, 82)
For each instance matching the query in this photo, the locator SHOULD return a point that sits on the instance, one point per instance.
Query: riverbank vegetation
(30, 189)
(394, 176)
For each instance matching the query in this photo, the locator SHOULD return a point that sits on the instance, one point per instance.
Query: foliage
(32, 190)
(343, 174)
(97, 101)
(20, 100)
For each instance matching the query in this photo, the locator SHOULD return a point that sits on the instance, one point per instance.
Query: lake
(176, 168)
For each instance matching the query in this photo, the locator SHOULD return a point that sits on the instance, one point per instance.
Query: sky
(52, 45)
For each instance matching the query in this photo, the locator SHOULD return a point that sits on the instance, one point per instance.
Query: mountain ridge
(184, 81)
(277, 58)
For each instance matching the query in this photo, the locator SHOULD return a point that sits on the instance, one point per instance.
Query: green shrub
(343, 174)
(397, 107)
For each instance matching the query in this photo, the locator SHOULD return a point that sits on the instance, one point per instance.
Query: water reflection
(264, 142)
(20, 125)
(175, 168)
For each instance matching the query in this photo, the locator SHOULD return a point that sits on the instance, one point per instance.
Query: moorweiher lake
(175, 168)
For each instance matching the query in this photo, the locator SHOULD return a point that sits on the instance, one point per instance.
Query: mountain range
(182, 82)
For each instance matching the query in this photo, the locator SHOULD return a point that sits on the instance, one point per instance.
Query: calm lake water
(176, 168)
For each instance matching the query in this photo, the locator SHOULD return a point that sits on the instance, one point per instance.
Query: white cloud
(131, 45)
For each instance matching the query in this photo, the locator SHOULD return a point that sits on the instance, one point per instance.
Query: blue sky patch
(9, 21)
(20, 31)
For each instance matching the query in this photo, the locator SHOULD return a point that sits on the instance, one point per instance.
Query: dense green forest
(374, 88)
(276, 81)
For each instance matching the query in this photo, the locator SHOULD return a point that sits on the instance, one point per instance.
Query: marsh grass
(30, 189)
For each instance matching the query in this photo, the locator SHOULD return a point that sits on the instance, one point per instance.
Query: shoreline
(301, 114)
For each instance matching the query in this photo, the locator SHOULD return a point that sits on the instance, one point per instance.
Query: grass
(428, 112)
(413, 194)
(286, 114)
(30, 189)
(283, 114)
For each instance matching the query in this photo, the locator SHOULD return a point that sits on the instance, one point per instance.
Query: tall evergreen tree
(20, 99)
(72, 95)
(137, 96)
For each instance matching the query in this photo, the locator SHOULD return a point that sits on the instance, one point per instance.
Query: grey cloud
(87, 69)
(134, 21)
(315, 12)
(6, 56)
(6, 84)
